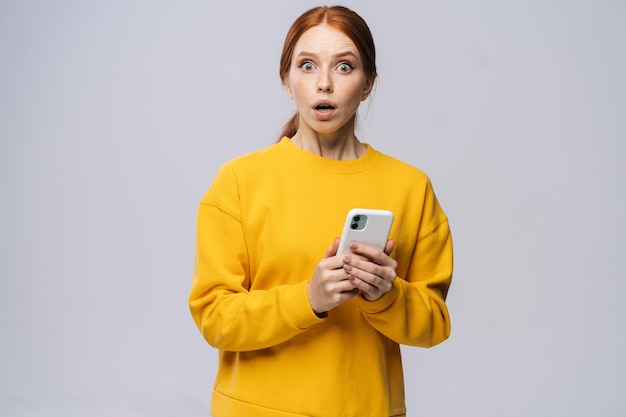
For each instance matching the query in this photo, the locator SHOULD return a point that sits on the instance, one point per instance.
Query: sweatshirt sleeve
(229, 315)
(414, 311)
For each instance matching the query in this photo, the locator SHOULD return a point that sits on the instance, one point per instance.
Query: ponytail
(290, 128)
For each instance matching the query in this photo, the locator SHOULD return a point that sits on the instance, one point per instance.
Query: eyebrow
(336, 56)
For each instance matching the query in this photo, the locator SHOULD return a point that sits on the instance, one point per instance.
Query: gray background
(114, 117)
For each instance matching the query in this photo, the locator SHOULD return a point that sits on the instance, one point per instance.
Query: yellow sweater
(263, 226)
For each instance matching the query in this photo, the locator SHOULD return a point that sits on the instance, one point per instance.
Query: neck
(337, 146)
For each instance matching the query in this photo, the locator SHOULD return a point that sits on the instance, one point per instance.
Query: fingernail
(347, 260)
(347, 268)
(353, 245)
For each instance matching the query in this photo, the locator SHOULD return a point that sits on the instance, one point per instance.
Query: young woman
(302, 331)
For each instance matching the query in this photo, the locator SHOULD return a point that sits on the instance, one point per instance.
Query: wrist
(320, 313)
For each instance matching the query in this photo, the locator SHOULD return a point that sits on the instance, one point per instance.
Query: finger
(332, 249)
(347, 295)
(369, 266)
(374, 254)
(389, 246)
(369, 291)
(372, 290)
(343, 289)
(367, 251)
(369, 278)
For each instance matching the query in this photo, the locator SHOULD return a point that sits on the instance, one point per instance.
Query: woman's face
(326, 80)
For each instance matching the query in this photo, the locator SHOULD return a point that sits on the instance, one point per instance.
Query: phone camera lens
(357, 218)
(354, 226)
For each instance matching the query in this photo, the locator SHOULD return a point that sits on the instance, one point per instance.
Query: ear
(288, 87)
(367, 89)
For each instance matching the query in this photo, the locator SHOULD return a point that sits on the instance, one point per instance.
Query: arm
(413, 311)
(410, 310)
(230, 315)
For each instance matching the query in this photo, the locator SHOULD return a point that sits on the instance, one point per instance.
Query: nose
(326, 88)
(325, 85)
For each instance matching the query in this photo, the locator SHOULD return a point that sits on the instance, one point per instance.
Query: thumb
(389, 246)
(332, 250)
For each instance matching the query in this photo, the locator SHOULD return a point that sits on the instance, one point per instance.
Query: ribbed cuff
(373, 307)
(298, 308)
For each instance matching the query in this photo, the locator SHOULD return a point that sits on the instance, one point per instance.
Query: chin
(328, 128)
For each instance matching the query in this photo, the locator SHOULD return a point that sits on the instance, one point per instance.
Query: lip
(324, 114)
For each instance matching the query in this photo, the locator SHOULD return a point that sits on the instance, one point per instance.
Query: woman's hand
(331, 284)
(373, 271)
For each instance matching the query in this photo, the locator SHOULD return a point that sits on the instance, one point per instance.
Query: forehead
(325, 38)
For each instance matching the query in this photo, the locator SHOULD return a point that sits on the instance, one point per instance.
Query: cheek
(354, 91)
(298, 89)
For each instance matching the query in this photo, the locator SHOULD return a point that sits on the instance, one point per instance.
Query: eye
(307, 66)
(345, 67)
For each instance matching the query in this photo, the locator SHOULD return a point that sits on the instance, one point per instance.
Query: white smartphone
(366, 226)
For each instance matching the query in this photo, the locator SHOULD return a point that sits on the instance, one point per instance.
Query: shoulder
(249, 168)
(251, 160)
(390, 165)
(236, 172)
(417, 190)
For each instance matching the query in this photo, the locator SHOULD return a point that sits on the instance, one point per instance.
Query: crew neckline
(300, 156)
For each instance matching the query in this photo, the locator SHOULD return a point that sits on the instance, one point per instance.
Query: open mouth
(324, 108)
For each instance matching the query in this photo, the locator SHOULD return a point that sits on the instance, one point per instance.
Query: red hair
(341, 18)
